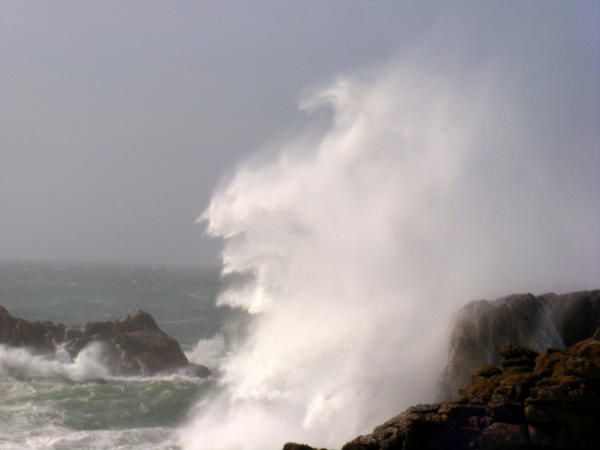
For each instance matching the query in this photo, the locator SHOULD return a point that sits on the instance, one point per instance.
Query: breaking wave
(87, 365)
(357, 245)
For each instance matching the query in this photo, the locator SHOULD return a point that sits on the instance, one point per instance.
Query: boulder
(134, 345)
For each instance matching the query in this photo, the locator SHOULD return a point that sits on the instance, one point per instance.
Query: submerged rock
(134, 345)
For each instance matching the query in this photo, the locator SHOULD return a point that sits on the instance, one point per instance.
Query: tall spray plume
(358, 243)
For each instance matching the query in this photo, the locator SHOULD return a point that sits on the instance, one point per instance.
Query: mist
(455, 171)
(118, 121)
(430, 185)
(358, 170)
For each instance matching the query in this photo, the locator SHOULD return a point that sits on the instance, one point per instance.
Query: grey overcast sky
(118, 118)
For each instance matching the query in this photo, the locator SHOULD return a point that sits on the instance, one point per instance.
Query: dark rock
(506, 411)
(73, 333)
(38, 337)
(487, 370)
(480, 329)
(562, 408)
(576, 315)
(295, 446)
(500, 436)
(196, 370)
(542, 396)
(134, 345)
(550, 402)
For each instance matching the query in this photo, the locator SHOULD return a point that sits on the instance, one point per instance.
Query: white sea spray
(359, 244)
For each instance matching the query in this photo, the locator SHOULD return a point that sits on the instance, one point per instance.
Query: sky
(118, 120)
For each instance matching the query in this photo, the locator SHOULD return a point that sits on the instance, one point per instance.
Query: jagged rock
(134, 345)
(563, 408)
(482, 327)
(38, 337)
(576, 315)
(295, 446)
(196, 370)
(534, 400)
(504, 436)
(547, 401)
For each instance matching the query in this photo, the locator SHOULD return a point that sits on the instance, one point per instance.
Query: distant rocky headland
(134, 345)
(523, 373)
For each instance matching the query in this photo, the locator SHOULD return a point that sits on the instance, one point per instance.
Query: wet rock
(504, 436)
(196, 370)
(481, 328)
(545, 401)
(513, 383)
(134, 345)
(38, 337)
(295, 446)
(563, 407)
(576, 315)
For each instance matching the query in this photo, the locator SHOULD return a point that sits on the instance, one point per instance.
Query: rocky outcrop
(295, 446)
(482, 327)
(134, 345)
(37, 336)
(528, 391)
(534, 401)
(576, 316)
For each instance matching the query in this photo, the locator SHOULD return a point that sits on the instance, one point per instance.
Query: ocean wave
(56, 437)
(87, 365)
(353, 248)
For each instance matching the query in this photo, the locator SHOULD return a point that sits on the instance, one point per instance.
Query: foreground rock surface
(482, 327)
(533, 401)
(134, 345)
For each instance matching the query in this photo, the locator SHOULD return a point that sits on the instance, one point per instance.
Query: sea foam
(87, 365)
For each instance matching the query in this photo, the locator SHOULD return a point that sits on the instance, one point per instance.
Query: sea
(62, 404)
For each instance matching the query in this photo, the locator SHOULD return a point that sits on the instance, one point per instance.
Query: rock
(487, 370)
(576, 315)
(504, 436)
(563, 407)
(38, 337)
(529, 391)
(196, 370)
(481, 328)
(546, 401)
(294, 446)
(134, 345)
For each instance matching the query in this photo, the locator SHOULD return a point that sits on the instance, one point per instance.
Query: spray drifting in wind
(358, 245)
